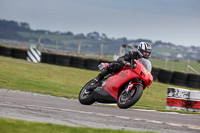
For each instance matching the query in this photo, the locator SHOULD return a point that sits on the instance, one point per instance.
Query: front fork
(130, 86)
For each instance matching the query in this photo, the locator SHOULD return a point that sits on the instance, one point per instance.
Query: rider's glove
(134, 64)
(125, 63)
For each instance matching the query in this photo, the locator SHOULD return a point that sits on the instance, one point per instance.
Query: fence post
(187, 64)
(79, 48)
(172, 64)
(166, 62)
(120, 51)
(101, 52)
(56, 47)
(39, 46)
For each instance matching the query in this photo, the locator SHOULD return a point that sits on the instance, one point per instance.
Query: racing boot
(97, 79)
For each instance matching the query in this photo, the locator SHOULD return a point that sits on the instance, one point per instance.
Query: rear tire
(126, 100)
(86, 97)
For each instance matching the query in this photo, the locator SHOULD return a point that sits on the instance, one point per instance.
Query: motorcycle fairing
(102, 96)
(115, 82)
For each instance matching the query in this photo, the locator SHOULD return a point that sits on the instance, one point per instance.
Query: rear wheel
(86, 97)
(128, 99)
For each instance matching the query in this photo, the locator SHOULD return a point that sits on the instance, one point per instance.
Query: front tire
(86, 97)
(128, 99)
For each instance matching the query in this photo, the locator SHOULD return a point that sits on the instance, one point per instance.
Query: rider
(143, 51)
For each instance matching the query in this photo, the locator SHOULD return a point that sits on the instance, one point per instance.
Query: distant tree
(80, 36)
(69, 33)
(158, 42)
(9, 25)
(144, 40)
(93, 35)
(42, 31)
(193, 47)
(25, 26)
(122, 40)
(96, 34)
(104, 36)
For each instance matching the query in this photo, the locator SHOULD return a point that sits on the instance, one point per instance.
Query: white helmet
(144, 47)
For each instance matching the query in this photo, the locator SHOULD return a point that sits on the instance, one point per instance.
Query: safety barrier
(19, 53)
(5, 51)
(183, 99)
(51, 58)
(193, 81)
(155, 71)
(77, 62)
(33, 55)
(63, 60)
(177, 99)
(195, 100)
(164, 76)
(179, 78)
(92, 64)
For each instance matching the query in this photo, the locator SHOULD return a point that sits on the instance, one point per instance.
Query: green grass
(53, 80)
(67, 82)
(19, 126)
(175, 65)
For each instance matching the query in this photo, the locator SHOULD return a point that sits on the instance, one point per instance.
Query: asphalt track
(44, 108)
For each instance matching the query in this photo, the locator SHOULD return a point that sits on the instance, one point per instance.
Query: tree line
(91, 42)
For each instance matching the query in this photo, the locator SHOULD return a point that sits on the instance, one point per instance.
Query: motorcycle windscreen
(146, 63)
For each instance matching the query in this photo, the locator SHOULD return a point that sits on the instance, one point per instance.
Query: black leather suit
(117, 66)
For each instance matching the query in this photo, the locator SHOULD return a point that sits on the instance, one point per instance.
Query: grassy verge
(19, 126)
(47, 79)
(175, 65)
(66, 82)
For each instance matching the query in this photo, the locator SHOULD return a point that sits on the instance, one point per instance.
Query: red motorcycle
(124, 88)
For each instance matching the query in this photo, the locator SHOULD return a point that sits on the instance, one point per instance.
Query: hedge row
(164, 76)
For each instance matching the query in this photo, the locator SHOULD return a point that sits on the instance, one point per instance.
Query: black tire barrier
(63, 60)
(19, 53)
(77, 62)
(165, 76)
(44, 57)
(92, 64)
(5, 51)
(193, 81)
(155, 71)
(179, 78)
(51, 58)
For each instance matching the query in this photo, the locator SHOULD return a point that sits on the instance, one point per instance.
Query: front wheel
(128, 99)
(86, 97)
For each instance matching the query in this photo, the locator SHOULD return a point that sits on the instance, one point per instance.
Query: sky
(174, 21)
